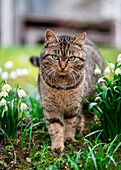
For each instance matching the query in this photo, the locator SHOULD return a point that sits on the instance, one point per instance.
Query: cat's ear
(35, 61)
(50, 37)
(79, 40)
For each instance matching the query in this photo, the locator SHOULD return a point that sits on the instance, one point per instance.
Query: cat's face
(62, 56)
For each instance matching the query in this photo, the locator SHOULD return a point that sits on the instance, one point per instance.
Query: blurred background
(23, 24)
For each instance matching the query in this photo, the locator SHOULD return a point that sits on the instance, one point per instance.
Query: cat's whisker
(53, 75)
(73, 78)
(70, 75)
(49, 74)
(75, 72)
(47, 71)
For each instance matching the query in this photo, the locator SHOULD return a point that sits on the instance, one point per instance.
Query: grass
(109, 53)
(20, 55)
(30, 150)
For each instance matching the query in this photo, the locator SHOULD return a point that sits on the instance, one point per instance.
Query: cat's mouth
(62, 73)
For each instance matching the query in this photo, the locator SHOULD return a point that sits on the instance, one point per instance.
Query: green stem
(21, 130)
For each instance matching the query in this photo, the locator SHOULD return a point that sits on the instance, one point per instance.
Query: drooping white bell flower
(21, 93)
(23, 106)
(6, 87)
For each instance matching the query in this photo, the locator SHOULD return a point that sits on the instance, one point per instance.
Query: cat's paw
(59, 147)
(68, 138)
(56, 148)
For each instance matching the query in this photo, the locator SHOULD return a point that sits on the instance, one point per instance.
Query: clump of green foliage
(107, 103)
(11, 106)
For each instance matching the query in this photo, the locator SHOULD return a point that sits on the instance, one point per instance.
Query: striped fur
(64, 84)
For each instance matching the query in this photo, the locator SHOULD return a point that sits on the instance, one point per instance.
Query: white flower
(3, 102)
(21, 93)
(6, 87)
(0, 70)
(118, 71)
(9, 64)
(13, 75)
(19, 72)
(97, 71)
(5, 75)
(111, 65)
(22, 72)
(23, 106)
(25, 71)
(4, 94)
(119, 59)
(107, 70)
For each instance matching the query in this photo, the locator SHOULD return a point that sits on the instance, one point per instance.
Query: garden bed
(24, 138)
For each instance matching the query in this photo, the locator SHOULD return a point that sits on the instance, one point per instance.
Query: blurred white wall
(92, 11)
(7, 29)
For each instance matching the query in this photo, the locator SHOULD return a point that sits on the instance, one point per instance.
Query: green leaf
(93, 158)
(6, 136)
(105, 93)
(73, 162)
(91, 106)
(108, 82)
(93, 133)
(117, 147)
(111, 145)
(96, 66)
(52, 167)
(8, 147)
(3, 164)
(112, 159)
(100, 80)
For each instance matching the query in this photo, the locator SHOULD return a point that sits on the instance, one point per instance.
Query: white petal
(4, 75)
(118, 71)
(9, 64)
(6, 87)
(13, 75)
(3, 101)
(97, 71)
(21, 93)
(111, 65)
(107, 70)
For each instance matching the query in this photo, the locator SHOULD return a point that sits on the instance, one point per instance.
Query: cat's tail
(35, 61)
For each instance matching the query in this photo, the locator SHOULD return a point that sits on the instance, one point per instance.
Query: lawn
(28, 148)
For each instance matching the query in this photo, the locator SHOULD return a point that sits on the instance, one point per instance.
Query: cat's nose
(62, 65)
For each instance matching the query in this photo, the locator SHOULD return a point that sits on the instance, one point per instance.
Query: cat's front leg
(70, 123)
(55, 128)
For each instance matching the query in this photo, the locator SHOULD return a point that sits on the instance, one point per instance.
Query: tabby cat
(66, 77)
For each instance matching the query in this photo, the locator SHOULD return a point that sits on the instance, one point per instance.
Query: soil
(16, 157)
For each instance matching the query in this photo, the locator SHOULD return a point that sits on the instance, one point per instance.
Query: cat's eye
(55, 57)
(72, 58)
